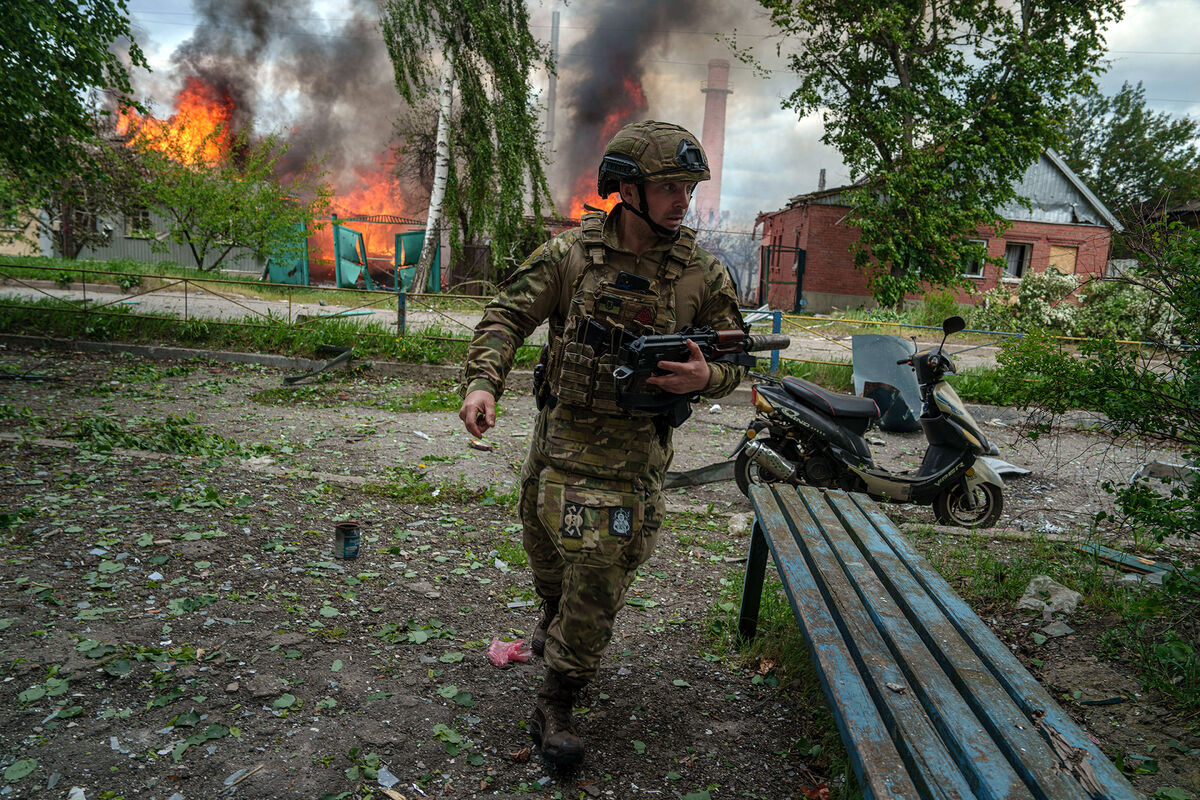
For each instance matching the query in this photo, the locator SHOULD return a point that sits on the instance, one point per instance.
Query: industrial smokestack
(716, 90)
(821, 181)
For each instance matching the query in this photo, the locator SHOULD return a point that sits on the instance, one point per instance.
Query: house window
(1063, 259)
(1016, 260)
(138, 225)
(972, 263)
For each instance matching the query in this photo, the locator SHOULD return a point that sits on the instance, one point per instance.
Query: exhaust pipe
(770, 461)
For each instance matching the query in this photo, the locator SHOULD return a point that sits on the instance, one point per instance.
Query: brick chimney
(708, 193)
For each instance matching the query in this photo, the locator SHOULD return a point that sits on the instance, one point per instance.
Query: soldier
(591, 503)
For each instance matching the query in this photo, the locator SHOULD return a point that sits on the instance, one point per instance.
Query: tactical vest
(583, 358)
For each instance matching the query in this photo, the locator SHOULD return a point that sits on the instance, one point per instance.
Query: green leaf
(118, 668)
(328, 611)
(1038, 638)
(6, 623)
(639, 746)
(109, 567)
(450, 658)
(19, 769)
(680, 682)
(187, 719)
(448, 691)
(464, 699)
(284, 701)
(704, 795)
(70, 711)
(291, 654)
(1171, 793)
(336, 666)
(32, 693)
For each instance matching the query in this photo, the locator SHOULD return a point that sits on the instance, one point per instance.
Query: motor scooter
(804, 434)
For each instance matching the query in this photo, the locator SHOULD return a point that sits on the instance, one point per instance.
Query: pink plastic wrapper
(503, 653)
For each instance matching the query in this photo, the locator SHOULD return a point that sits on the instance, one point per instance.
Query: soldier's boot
(549, 611)
(552, 727)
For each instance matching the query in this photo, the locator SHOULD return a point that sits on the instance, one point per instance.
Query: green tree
(1126, 153)
(495, 179)
(57, 56)
(937, 108)
(215, 206)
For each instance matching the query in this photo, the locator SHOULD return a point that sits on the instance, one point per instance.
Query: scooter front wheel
(951, 507)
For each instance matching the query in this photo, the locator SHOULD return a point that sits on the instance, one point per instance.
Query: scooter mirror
(953, 325)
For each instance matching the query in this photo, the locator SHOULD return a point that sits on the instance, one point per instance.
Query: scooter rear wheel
(950, 507)
(746, 471)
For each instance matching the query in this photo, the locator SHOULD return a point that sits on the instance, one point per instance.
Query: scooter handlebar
(904, 361)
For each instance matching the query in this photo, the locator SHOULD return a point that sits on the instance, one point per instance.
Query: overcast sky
(770, 155)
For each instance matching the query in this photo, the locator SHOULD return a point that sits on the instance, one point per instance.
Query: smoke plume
(280, 63)
(603, 75)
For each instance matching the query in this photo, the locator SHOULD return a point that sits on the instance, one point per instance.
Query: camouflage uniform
(591, 503)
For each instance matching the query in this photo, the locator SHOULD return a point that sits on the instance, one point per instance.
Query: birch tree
(492, 159)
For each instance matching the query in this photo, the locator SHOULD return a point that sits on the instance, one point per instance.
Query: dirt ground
(176, 627)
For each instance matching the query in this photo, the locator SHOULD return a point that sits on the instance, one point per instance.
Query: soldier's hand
(478, 412)
(683, 377)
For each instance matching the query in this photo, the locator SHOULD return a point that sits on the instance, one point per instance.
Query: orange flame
(585, 185)
(197, 133)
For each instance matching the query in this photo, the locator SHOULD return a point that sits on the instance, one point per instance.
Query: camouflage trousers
(585, 537)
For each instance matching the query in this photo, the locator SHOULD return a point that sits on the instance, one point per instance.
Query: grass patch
(325, 392)
(412, 485)
(780, 658)
(130, 274)
(431, 345)
(835, 377)
(1154, 628)
(512, 551)
(174, 434)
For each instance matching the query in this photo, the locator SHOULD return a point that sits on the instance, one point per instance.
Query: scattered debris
(1046, 595)
(1125, 561)
(1057, 628)
(344, 354)
(478, 445)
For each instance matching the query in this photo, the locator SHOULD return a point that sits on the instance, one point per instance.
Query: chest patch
(609, 305)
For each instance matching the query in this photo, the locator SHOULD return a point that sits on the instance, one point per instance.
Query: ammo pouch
(593, 522)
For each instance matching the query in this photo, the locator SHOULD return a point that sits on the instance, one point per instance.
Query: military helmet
(651, 150)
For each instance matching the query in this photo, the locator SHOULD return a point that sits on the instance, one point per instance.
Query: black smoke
(624, 39)
(325, 84)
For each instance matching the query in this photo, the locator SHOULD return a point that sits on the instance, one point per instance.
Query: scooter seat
(832, 403)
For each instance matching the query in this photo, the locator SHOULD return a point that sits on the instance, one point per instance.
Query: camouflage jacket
(540, 291)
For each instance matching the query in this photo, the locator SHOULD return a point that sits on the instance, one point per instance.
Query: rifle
(639, 360)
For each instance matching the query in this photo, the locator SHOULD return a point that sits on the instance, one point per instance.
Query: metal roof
(1055, 193)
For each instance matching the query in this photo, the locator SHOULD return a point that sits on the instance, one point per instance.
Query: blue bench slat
(880, 770)
(983, 701)
(951, 759)
(873, 611)
(1094, 771)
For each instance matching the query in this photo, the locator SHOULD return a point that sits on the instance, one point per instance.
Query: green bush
(937, 307)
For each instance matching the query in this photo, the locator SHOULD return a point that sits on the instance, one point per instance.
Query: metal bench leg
(756, 566)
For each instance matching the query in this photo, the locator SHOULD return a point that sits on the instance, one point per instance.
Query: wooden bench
(929, 703)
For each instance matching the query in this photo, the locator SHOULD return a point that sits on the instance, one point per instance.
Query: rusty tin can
(346, 539)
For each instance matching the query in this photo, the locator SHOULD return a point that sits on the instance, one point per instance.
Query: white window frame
(1027, 249)
(981, 264)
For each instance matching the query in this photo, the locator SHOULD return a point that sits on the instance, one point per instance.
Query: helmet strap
(644, 214)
